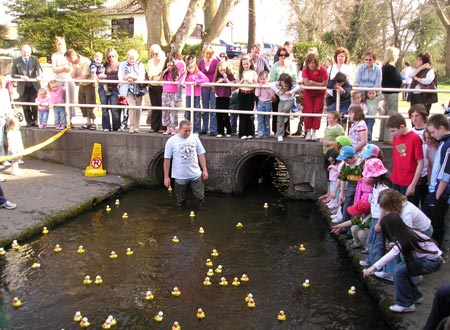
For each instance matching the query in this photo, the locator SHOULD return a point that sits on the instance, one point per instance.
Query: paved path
(49, 193)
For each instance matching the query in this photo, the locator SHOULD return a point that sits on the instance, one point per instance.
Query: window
(123, 25)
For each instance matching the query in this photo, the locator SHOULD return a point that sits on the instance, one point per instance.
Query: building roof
(124, 7)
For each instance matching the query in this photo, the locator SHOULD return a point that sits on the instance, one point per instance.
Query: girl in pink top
(57, 94)
(193, 75)
(170, 97)
(43, 102)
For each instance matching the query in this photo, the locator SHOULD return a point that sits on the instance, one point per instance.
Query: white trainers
(219, 135)
(402, 309)
(313, 136)
(280, 139)
(243, 137)
(8, 205)
(308, 136)
(249, 137)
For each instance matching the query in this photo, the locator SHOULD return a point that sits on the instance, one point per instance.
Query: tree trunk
(153, 10)
(445, 23)
(186, 27)
(212, 31)
(209, 11)
(251, 23)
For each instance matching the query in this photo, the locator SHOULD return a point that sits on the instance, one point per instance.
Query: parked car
(232, 50)
(269, 49)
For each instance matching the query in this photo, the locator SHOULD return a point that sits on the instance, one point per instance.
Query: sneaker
(6, 163)
(59, 128)
(243, 137)
(21, 162)
(227, 135)
(165, 133)
(219, 135)
(85, 126)
(280, 139)
(105, 130)
(41, 126)
(354, 246)
(364, 263)
(384, 276)
(308, 136)
(313, 136)
(402, 309)
(250, 137)
(92, 127)
(136, 130)
(8, 205)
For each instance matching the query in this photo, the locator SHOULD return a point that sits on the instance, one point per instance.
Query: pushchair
(11, 87)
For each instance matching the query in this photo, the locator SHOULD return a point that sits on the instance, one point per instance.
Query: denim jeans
(197, 115)
(198, 190)
(233, 120)
(60, 116)
(115, 113)
(375, 243)
(209, 118)
(406, 291)
(43, 117)
(3, 200)
(349, 200)
(369, 122)
(264, 120)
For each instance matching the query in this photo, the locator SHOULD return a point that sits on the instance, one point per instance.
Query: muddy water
(266, 249)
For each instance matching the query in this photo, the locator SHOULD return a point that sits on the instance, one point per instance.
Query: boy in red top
(407, 158)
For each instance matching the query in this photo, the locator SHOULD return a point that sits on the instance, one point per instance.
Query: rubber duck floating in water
(266, 205)
(207, 281)
(107, 324)
(244, 278)
(176, 326)
(45, 230)
(129, 252)
(87, 280)
(251, 303)
(159, 317)
(175, 239)
(352, 290)
(98, 280)
(125, 215)
(2, 251)
(81, 249)
(218, 270)
(302, 248)
(15, 245)
(113, 255)
(235, 282)
(113, 320)
(149, 295)
(239, 225)
(57, 248)
(209, 263)
(200, 314)
(214, 253)
(248, 297)
(108, 208)
(85, 322)
(169, 189)
(192, 214)
(210, 272)
(36, 265)
(201, 230)
(223, 281)
(176, 292)
(117, 202)
(281, 316)
(77, 317)
(16, 302)
(306, 284)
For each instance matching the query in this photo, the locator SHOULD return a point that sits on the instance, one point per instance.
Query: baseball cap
(346, 152)
(344, 140)
(360, 207)
(369, 150)
(373, 168)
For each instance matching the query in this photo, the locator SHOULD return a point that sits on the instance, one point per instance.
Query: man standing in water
(188, 164)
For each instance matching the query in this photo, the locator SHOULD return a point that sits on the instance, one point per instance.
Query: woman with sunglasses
(368, 74)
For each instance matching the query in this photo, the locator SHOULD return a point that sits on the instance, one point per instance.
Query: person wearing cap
(349, 175)
(371, 151)
(360, 223)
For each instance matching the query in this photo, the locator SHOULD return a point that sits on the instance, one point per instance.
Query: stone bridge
(232, 163)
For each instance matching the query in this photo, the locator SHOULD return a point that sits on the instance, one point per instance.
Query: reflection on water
(266, 249)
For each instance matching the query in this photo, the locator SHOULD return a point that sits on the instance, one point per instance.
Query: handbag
(122, 100)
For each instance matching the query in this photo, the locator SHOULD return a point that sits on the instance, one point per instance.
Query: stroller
(11, 87)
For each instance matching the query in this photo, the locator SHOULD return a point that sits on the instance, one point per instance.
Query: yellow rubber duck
(57, 248)
(209, 263)
(176, 326)
(218, 270)
(266, 205)
(175, 239)
(81, 249)
(210, 272)
(235, 282)
(192, 214)
(2, 251)
(169, 189)
(112, 320)
(352, 290)
(129, 252)
(16, 302)
(159, 317)
(207, 281)
(251, 303)
(125, 215)
(201, 230)
(98, 280)
(36, 265)
(176, 292)
(117, 203)
(107, 324)
(149, 295)
(77, 317)
(45, 231)
(87, 280)
(200, 314)
(113, 255)
(15, 245)
(239, 225)
(281, 316)
(302, 248)
(85, 322)
(108, 208)
(306, 283)
(248, 297)
(244, 278)
(214, 253)
(223, 281)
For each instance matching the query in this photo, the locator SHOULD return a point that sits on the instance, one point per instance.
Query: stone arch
(155, 169)
(247, 168)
